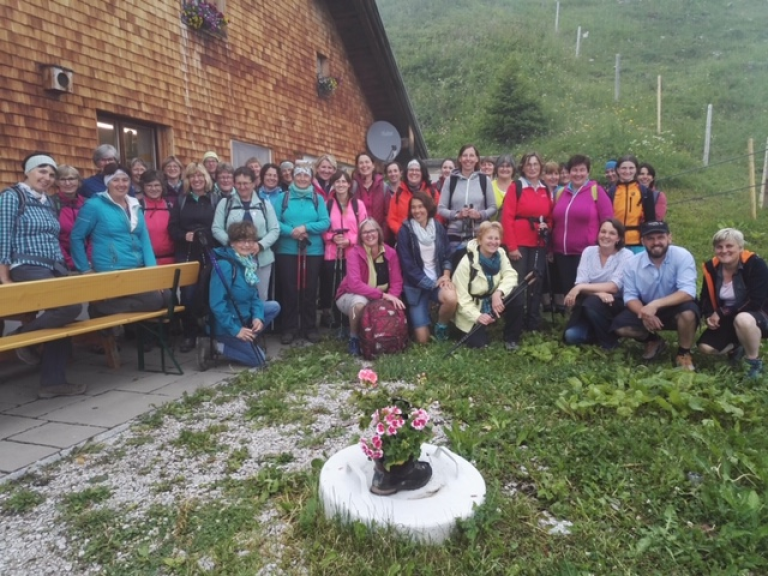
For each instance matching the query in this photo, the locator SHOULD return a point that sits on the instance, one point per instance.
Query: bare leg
(421, 334)
(630, 332)
(748, 334)
(686, 329)
(354, 319)
(449, 301)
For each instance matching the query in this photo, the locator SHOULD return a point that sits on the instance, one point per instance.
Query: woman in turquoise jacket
(303, 218)
(238, 313)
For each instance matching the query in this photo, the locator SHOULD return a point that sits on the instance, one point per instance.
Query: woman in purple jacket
(579, 209)
(373, 273)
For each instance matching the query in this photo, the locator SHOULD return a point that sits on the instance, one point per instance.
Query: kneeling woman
(239, 315)
(373, 273)
(734, 299)
(483, 278)
(596, 296)
(422, 245)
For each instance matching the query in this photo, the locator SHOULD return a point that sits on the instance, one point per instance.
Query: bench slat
(77, 328)
(37, 295)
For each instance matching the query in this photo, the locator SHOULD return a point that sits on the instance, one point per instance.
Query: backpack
(455, 180)
(200, 302)
(315, 199)
(472, 276)
(383, 329)
(594, 193)
(647, 201)
(228, 208)
(353, 201)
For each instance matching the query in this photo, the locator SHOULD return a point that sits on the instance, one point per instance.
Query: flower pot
(411, 475)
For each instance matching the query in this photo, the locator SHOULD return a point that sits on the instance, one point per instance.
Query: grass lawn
(659, 471)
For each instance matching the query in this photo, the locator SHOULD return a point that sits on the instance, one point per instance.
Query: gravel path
(135, 462)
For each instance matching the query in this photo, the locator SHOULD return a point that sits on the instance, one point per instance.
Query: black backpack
(647, 200)
(315, 199)
(455, 180)
(355, 207)
(200, 304)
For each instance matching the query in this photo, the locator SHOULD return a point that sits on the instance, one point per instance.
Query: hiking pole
(529, 279)
(544, 238)
(337, 273)
(301, 276)
(203, 239)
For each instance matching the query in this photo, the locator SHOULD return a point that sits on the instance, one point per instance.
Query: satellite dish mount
(383, 141)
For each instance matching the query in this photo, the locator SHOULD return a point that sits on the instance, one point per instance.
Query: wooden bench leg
(111, 352)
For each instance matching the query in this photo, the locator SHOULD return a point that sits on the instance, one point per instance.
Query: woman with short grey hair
(102, 156)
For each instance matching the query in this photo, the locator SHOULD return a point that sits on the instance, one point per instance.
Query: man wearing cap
(659, 294)
(30, 250)
(211, 162)
(102, 156)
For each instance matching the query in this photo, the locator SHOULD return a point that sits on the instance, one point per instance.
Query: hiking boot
(512, 346)
(735, 356)
(203, 353)
(685, 361)
(409, 476)
(354, 346)
(111, 351)
(187, 345)
(28, 355)
(313, 336)
(62, 390)
(755, 368)
(441, 332)
(654, 349)
(287, 338)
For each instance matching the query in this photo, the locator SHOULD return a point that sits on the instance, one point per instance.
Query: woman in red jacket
(157, 212)
(527, 219)
(416, 180)
(67, 203)
(369, 189)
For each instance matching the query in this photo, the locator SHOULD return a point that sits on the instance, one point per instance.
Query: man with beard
(659, 294)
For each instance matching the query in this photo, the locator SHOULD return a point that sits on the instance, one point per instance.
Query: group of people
(294, 239)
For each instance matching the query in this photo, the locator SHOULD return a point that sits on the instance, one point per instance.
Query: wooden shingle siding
(136, 59)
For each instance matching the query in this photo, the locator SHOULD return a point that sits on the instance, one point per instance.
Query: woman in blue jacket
(303, 218)
(237, 301)
(422, 246)
(113, 222)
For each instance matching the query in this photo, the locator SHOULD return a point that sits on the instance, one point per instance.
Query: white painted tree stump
(427, 515)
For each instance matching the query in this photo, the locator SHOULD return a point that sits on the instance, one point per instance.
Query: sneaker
(755, 368)
(312, 335)
(354, 346)
(735, 356)
(287, 338)
(203, 353)
(685, 361)
(441, 332)
(512, 346)
(654, 349)
(28, 355)
(62, 390)
(111, 352)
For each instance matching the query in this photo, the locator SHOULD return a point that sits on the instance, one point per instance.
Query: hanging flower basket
(203, 16)
(327, 85)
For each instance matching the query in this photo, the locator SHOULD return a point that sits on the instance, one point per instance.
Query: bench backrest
(22, 297)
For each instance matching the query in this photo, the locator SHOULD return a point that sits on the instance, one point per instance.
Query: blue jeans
(246, 352)
(590, 322)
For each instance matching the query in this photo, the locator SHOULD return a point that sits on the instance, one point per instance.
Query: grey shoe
(203, 353)
(28, 356)
(62, 390)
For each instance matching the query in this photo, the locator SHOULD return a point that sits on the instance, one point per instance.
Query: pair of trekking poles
(202, 238)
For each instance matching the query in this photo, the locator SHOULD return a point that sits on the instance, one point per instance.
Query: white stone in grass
(427, 515)
(556, 527)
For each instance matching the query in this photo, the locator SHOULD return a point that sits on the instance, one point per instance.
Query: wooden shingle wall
(136, 59)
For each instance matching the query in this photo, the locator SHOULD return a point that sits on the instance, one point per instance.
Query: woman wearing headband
(30, 250)
(113, 222)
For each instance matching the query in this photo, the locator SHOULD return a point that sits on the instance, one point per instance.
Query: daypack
(353, 201)
(200, 302)
(383, 329)
(260, 206)
(455, 180)
(647, 202)
(315, 199)
(594, 193)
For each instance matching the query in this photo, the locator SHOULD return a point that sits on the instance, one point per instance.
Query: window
(242, 151)
(323, 68)
(131, 139)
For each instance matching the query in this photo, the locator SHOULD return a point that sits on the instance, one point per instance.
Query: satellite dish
(383, 141)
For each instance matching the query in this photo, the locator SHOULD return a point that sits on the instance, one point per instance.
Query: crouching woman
(734, 300)
(373, 273)
(483, 278)
(238, 314)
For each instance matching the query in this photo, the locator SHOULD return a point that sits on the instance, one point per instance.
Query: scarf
(413, 187)
(249, 264)
(372, 276)
(491, 266)
(425, 236)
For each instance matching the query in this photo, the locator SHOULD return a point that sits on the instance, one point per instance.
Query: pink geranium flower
(369, 377)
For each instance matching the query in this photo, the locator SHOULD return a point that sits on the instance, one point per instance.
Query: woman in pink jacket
(579, 208)
(373, 273)
(346, 213)
(157, 213)
(67, 203)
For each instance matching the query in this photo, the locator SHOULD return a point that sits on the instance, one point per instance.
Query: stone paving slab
(109, 409)
(15, 455)
(12, 425)
(57, 435)
(39, 408)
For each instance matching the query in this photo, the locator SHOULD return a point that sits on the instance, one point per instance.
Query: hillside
(707, 52)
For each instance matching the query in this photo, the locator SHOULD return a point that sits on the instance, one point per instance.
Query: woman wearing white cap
(30, 250)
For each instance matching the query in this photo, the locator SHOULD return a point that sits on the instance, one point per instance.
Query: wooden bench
(24, 297)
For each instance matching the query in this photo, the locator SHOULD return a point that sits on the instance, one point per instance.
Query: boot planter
(411, 475)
